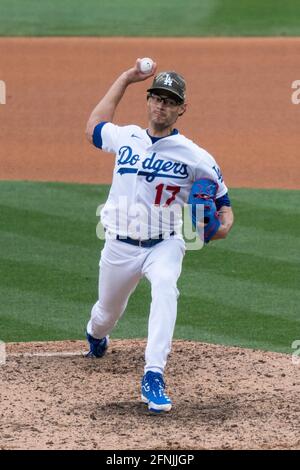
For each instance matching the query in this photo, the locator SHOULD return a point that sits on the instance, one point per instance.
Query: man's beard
(160, 126)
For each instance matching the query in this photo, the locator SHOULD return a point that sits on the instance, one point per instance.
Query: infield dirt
(239, 98)
(224, 398)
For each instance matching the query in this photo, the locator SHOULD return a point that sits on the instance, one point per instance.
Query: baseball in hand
(146, 65)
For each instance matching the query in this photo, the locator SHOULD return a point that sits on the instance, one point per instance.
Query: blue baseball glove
(204, 192)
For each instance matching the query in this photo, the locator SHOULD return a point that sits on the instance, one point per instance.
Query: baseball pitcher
(157, 170)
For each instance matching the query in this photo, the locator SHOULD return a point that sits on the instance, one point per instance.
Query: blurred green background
(242, 291)
(154, 18)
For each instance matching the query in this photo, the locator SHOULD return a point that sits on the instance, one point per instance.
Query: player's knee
(166, 282)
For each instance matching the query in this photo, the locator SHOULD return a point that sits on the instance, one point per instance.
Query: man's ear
(183, 109)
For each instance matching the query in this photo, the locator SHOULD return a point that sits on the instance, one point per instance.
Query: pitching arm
(105, 109)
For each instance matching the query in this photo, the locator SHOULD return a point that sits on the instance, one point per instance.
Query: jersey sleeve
(223, 201)
(208, 168)
(106, 136)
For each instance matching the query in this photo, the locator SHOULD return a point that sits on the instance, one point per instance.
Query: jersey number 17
(159, 192)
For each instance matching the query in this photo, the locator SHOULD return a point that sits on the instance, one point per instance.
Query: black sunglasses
(164, 99)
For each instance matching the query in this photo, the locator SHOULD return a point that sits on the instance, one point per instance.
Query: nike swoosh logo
(136, 136)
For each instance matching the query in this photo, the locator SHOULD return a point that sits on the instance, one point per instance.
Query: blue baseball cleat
(153, 392)
(98, 347)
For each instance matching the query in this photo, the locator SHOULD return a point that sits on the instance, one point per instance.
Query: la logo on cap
(168, 80)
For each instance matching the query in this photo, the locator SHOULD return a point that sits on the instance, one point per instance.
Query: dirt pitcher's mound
(224, 398)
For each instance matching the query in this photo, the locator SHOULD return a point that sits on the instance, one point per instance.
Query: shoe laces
(156, 383)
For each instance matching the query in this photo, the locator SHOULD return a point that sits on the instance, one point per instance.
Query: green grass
(241, 291)
(144, 18)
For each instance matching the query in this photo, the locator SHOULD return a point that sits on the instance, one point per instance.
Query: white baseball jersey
(151, 176)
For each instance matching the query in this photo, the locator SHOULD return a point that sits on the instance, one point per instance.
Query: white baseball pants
(121, 267)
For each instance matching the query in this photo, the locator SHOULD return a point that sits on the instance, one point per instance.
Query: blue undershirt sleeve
(97, 138)
(223, 201)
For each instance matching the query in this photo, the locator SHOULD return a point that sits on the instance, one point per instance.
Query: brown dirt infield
(224, 398)
(240, 110)
(239, 94)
